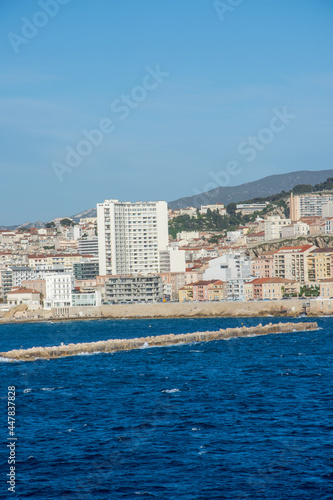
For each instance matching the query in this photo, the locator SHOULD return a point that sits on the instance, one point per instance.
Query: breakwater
(115, 345)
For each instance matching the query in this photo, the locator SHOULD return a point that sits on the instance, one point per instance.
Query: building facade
(130, 236)
(131, 289)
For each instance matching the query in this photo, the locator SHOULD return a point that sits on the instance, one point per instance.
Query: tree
(66, 222)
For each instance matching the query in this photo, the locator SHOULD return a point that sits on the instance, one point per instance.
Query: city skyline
(136, 113)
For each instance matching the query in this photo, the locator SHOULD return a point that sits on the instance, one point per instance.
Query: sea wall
(115, 345)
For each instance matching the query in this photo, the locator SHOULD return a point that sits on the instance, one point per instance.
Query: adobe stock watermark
(121, 107)
(249, 148)
(30, 27)
(223, 7)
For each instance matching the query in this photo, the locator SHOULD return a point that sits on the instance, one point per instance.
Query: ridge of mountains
(272, 184)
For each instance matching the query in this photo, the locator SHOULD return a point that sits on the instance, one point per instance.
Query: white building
(130, 236)
(24, 296)
(273, 225)
(172, 260)
(213, 208)
(230, 266)
(88, 246)
(58, 291)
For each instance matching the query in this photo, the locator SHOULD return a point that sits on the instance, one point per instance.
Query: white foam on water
(88, 353)
(48, 388)
(26, 391)
(6, 360)
(144, 346)
(171, 391)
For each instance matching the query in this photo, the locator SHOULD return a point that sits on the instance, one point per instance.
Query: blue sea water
(247, 418)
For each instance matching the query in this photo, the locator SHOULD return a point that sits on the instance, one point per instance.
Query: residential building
(308, 204)
(273, 225)
(172, 282)
(129, 289)
(88, 246)
(320, 264)
(295, 230)
(22, 295)
(291, 262)
(86, 269)
(326, 288)
(263, 265)
(270, 288)
(59, 292)
(172, 260)
(204, 290)
(6, 282)
(229, 266)
(39, 285)
(130, 236)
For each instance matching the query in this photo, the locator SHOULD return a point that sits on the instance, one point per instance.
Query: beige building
(320, 262)
(326, 288)
(291, 262)
(270, 288)
(308, 204)
(273, 226)
(23, 296)
(37, 285)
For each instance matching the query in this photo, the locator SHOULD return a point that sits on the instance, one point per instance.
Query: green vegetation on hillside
(213, 221)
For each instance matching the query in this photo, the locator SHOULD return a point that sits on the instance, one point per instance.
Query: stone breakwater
(115, 345)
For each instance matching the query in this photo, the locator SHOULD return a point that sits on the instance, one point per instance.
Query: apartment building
(59, 292)
(320, 264)
(86, 269)
(263, 265)
(201, 291)
(88, 246)
(308, 204)
(273, 225)
(6, 282)
(270, 288)
(131, 235)
(172, 260)
(326, 288)
(130, 289)
(292, 262)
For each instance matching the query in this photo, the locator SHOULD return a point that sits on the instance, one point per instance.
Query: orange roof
(301, 248)
(22, 290)
(260, 281)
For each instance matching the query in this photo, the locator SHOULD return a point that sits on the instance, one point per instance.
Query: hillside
(261, 188)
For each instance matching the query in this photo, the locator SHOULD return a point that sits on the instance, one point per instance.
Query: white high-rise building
(131, 235)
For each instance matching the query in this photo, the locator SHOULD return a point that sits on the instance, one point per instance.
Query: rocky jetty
(115, 345)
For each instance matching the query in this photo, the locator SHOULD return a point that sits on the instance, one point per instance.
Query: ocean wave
(171, 391)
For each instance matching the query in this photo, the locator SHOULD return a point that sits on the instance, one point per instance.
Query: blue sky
(223, 75)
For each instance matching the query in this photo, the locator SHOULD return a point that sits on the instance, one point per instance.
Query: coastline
(288, 308)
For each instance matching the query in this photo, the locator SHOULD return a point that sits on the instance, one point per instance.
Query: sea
(245, 418)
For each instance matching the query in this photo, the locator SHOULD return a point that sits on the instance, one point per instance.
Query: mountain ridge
(272, 184)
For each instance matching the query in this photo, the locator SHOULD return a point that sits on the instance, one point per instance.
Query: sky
(157, 99)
